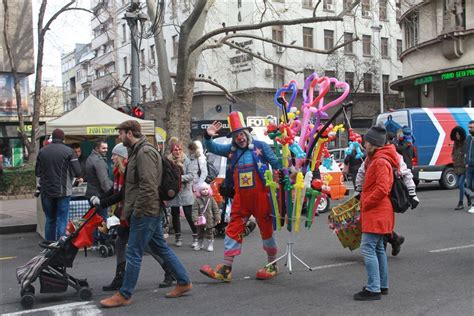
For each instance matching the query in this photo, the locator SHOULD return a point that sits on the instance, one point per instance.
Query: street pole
(379, 30)
(133, 16)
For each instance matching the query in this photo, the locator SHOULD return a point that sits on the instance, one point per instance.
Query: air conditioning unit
(279, 49)
(329, 7)
(268, 73)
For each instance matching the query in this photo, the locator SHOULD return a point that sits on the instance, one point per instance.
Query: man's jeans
(56, 211)
(470, 180)
(148, 231)
(375, 260)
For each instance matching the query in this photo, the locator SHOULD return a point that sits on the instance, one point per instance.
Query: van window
(401, 117)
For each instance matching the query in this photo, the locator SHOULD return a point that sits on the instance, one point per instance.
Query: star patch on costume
(246, 179)
(258, 152)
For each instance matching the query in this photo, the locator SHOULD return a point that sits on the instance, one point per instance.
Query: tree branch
(247, 27)
(262, 58)
(48, 24)
(306, 49)
(228, 94)
(316, 7)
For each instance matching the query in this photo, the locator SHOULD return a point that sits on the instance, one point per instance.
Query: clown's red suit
(247, 161)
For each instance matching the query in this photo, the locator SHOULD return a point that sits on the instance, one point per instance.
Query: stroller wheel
(103, 251)
(27, 300)
(85, 293)
(29, 289)
(111, 250)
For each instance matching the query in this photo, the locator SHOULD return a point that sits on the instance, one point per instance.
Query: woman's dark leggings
(188, 213)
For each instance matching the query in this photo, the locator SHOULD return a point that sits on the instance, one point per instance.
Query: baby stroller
(107, 246)
(51, 264)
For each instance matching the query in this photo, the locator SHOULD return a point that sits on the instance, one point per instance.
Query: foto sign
(260, 121)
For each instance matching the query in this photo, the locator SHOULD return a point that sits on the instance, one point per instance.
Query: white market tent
(93, 118)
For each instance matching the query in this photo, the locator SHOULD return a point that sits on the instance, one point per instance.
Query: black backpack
(212, 172)
(170, 181)
(399, 193)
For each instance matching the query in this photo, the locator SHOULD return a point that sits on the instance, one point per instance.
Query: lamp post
(379, 30)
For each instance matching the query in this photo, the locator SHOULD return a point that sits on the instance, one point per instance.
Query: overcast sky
(68, 29)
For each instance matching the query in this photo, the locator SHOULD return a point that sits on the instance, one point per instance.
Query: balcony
(86, 81)
(102, 39)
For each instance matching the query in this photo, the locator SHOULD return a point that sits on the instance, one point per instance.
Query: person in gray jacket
(56, 165)
(185, 197)
(98, 179)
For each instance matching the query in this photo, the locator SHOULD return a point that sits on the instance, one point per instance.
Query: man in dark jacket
(469, 150)
(142, 208)
(98, 179)
(56, 165)
(82, 159)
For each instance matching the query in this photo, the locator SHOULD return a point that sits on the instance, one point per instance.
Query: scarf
(179, 161)
(119, 180)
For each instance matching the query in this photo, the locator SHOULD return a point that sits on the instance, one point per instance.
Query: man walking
(142, 208)
(376, 216)
(56, 165)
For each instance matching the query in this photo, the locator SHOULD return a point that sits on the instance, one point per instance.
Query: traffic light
(138, 112)
(125, 109)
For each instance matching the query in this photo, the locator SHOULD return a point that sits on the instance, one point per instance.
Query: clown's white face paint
(241, 140)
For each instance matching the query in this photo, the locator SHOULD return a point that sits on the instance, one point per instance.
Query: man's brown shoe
(179, 290)
(116, 300)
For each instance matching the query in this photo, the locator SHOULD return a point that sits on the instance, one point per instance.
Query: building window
(308, 37)
(330, 74)
(349, 78)
(307, 72)
(411, 30)
(367, 45)
(365, 8)
(277, 33)
(385, 81)
(328, 39)
(308, 4)
(346, 4)
(153, 89)
(398, 9)
(278, 76)
(78, 75)
(175, 46)
(152, 54)
(143, 93)
(367, 82)
(328, 5)
(348, 48)
(142, 58)
(174, 9)
(384, 47)
(124, 33)
(125, 66)
(399, 48)
(383, 10)
(239, 3)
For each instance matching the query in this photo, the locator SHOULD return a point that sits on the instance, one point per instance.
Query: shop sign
(101, 130)
(445, 76)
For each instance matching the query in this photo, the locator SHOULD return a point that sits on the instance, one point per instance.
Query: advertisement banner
(7, 96)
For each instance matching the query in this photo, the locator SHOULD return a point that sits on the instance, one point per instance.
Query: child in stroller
(51, 264)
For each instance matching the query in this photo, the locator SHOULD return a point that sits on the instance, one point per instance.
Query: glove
(37, 192)
(95, 201)
(414, 201)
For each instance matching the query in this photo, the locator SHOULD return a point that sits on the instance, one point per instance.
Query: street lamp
(379, 29)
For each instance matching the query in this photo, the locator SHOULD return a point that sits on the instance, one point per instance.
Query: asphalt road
(433, 275)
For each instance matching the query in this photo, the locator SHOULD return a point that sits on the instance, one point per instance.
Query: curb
(17, 229)
(17, 197)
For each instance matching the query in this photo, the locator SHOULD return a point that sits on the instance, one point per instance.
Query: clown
(247, 161)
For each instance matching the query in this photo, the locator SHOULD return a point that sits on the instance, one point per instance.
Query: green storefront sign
(445, 76)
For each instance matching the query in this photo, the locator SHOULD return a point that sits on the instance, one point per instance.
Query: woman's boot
(168, 281)
(195, 241)
(118, 279)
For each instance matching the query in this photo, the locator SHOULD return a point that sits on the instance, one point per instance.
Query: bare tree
(192, 41)
(51, 103)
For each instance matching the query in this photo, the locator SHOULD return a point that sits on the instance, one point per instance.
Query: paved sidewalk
(17, 216)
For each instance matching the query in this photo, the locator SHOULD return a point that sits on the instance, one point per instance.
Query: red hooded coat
(377, 214)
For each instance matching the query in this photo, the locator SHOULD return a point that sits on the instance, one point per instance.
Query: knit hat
(203, 185)
(120, 150)
(376, 135)
(58, 134)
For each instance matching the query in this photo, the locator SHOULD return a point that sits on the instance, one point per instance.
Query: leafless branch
(262, 58)
(268, 40)
(247, 27)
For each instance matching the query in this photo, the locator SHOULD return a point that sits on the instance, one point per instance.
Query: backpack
(170, 179)
(212, 172)
(399, 193)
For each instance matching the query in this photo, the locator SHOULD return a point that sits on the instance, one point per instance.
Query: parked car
(338, 154)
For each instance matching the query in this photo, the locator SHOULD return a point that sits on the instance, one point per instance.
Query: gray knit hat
(376, 135)
(120, 150)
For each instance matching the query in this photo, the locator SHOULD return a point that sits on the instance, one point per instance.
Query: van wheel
(448, 180)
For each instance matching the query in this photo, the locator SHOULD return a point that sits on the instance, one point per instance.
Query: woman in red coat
(376, 216)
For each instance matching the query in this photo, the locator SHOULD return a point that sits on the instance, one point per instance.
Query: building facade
(368, 65)
(20, 34)
(438, 53)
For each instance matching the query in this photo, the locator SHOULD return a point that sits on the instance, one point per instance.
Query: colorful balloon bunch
(301, 141)
(355, 143)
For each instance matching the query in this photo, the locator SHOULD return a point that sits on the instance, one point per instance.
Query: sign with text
(198, 127)
(101, 130)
